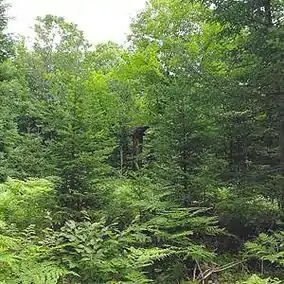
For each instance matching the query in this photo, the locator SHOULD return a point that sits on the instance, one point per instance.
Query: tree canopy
(159, 162)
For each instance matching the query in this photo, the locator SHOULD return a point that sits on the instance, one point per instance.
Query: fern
(267, 247)
(8, 260)
(254, 279)
(44, 272)
(7, 242)
(26, 203)
(22, 261)
(146, 256)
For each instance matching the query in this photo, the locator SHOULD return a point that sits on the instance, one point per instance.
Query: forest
(160, 161)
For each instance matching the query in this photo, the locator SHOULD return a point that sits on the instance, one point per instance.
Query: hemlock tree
(258, 71)
(76, 114)
(183, 104)
(73, 116)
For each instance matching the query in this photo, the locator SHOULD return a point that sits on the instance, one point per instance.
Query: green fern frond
(146, 256)
(45, 272)
(7, 243)
(267, 247)
(254, 279)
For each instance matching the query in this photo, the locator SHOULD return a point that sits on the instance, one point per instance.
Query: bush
(26, 202)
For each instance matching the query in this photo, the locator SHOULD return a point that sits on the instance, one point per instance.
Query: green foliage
(96, 251)
(24, 261)
(254, 279)
(152, 148)
(246, 216)
(103, 253)
(5, 40)
(267, 248)
(26, 203)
